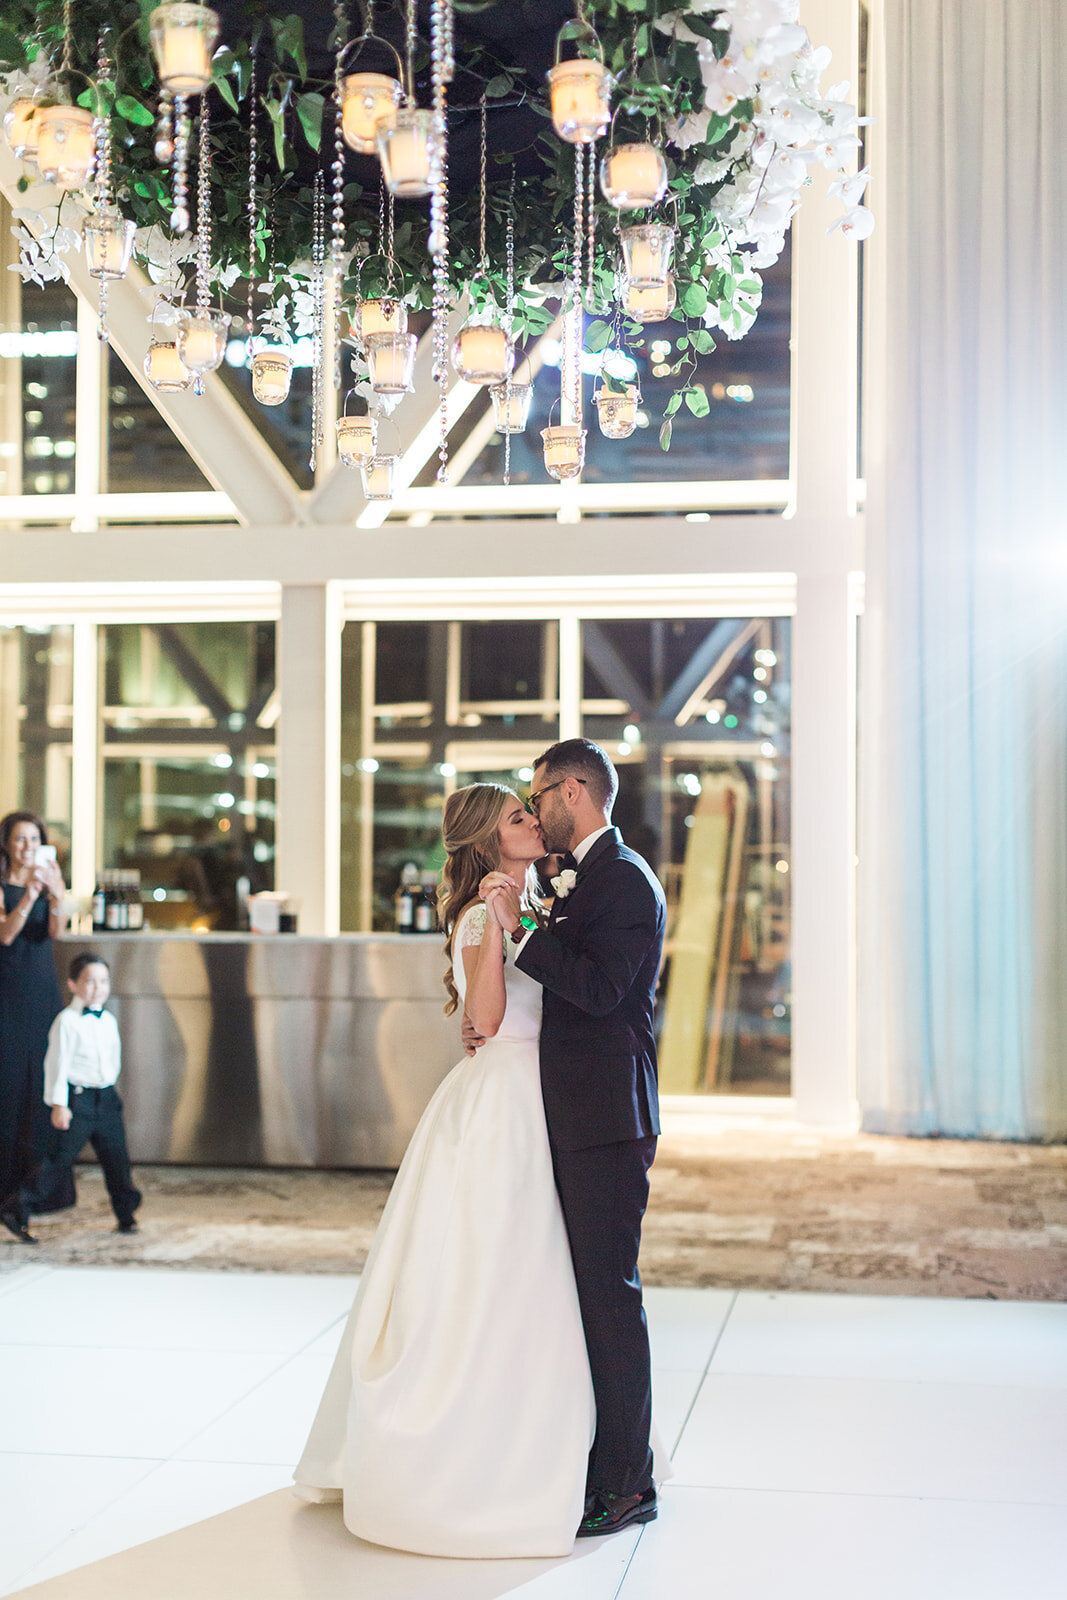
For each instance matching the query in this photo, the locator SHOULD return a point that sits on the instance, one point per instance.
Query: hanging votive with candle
(369, 101)
(650, 302)
(378, 474)
(272, 365)
(647, 253)
(482, 352)
(564, 450)
(20, 127)
(357, 439)
(579, 94)
(617, 413)
(108, 239)
(183, 37)
(391, 362)
(164, 367)
(381, 315)
(202, 336)
(66, 145)
(632, 176)
(410, 155)
(511, 406)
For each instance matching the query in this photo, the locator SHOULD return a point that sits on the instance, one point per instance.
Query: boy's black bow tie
(87, 1011)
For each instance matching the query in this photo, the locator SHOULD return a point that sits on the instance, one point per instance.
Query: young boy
(80, 1068)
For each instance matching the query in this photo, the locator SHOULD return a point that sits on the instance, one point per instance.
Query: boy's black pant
(97, 1119)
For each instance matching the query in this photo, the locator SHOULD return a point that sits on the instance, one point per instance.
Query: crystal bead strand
(509, 317)
(103, 185)
(337, 219)
(590, 221)
(318, 294)
(576, 283)
(441, 67)
(203, 212)
(252, 156)
(179, 216)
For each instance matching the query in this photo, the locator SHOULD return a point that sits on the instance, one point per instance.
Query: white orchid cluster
(771, 62)
(44, 244)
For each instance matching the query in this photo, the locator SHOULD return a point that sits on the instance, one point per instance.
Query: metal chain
(509, 318)
(390, 231)
(482, 262)
(337, 220)
(318, 295)
(252, 157)
(203, 211)
(410, 41)
(381, 213)
(67, 64)
(441, 68)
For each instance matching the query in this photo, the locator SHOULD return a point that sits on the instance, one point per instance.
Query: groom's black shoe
(610, 1513)
(16, 1224)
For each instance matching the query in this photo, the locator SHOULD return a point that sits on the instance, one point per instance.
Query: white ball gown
(459, 1413)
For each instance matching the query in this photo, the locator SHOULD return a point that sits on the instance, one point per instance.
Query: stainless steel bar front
(275, 1051)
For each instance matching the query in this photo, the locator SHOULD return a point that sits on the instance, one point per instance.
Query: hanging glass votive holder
(164, 367)
(647, 253)
(617, 413)
(632, 176)
(651, 302)
(483, 353)
(183, 37)
(357, 439)
(202, 336)
(369, 101)
(391, 362)
(564, 450)
(272, 367)
(579, 94)
(108, 239)
(410, 154)
(20, 127)
(511, 406)
(66, 145)
(382, 315)
(378, 474)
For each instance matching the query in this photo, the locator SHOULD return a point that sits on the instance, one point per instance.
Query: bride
(459, 1414)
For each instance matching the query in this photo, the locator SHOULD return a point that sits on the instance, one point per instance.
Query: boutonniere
(564, 883)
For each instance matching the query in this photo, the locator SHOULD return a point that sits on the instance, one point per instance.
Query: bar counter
(275, 1050)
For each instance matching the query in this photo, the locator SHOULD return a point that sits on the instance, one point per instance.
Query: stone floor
(735, 1204)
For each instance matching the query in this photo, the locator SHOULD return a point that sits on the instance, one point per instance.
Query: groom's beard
(557, 831)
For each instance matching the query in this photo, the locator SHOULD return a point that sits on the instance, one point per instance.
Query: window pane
(189, 772)
(695, 713)
(49, 350)
(143, 454)
(36, 690)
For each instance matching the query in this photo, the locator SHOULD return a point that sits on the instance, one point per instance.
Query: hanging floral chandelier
(683, 142)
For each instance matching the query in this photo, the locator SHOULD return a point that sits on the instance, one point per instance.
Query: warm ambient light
(391, 362)
(409, 153)
(20, 127)
(564, 450)
(511, 406)
(377, 476)
(202, 339)
(66, 147)
(483, 353)
(369, 102)
(633, 175)
(617, 413)
(653, 303)
(272, 373)
(357, 439)
(382, 315)
(579, 93)
(108, 239)
(647, 251)
(183, 37)
(164, 368)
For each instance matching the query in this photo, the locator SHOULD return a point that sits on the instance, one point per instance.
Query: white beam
(532, 499)
(90, 413)
(223, 442)
(309, 753)
(84, 507)
(85, 759)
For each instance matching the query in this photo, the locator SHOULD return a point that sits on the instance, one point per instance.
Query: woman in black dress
(30, 999)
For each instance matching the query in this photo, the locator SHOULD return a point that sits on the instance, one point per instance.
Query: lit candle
(183, 36)
(378, 316)
(482, 353)
(65, 145)
(391, 362)
(511, 406)
(108, 243)
(368, 102)
(164, 368)
(564, 450)
(357, 439)
(651, 302)
(580, 96)
(408, 154)
(618, 412)
(20, 127)
(633, 175)
(202, 340)
(272, 373)
(647, 251)
(378, 477)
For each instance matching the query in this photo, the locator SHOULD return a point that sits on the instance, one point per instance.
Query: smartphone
(45, 854)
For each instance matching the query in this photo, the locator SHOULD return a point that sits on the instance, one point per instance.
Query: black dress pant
(97, 1120)
(603, 1192)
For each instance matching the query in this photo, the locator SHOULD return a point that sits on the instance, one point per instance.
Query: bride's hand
(492, 881)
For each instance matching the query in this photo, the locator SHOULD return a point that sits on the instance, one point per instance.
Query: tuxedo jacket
(597, 962)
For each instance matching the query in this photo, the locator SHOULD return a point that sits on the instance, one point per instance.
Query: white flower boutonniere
(564, 883)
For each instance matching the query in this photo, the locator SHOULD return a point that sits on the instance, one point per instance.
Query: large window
(189, 711)
(36, 694)
(695, 713)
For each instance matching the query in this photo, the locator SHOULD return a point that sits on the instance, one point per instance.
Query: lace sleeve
(471, 927)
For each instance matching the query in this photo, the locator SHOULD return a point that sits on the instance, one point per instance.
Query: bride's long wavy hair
(472, 841)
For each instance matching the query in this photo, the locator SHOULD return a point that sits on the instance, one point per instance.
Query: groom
(597, 962)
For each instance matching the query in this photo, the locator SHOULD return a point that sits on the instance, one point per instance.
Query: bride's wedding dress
(458, 1415)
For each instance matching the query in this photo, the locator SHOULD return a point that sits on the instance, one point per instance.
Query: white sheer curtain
(963, 775)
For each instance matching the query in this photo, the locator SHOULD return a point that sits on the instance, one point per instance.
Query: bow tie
(87, 1011)
(567, 862)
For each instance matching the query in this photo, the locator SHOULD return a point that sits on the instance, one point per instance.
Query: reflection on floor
(824, 1446)
(736, 1204)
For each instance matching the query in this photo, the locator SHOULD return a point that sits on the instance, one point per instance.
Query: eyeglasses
(534, 802)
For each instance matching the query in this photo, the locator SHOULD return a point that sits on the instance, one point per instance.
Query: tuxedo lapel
(607, 841)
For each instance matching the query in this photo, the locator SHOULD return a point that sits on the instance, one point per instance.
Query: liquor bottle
(406, 896)
(135, 908)
(100, 904)
(112, 903)
(426, 904)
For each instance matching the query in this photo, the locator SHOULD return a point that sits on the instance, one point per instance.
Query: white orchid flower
(855, 224)
(850, 190)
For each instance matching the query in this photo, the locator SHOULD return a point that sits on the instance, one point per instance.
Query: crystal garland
(318, 294)
(203, 212)
(442, 67)
(575, 341)
(509, 318)
(103, 188)
(252, 155)
(337, 218)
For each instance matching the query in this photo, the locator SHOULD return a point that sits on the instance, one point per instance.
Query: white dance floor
(825, 1447)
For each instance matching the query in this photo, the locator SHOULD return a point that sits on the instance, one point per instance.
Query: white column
(309, 752)
(85, 759)
(825, 334)
(90, 418)
(570, 676)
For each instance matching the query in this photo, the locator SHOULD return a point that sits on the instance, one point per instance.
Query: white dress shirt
(82, 1051)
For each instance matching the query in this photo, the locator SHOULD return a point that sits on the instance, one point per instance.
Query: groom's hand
(472, 1039)
(498, 889)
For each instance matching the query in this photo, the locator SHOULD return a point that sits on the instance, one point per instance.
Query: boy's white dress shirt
(82, 1050)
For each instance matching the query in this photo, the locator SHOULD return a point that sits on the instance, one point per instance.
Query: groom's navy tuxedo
(597, 962)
